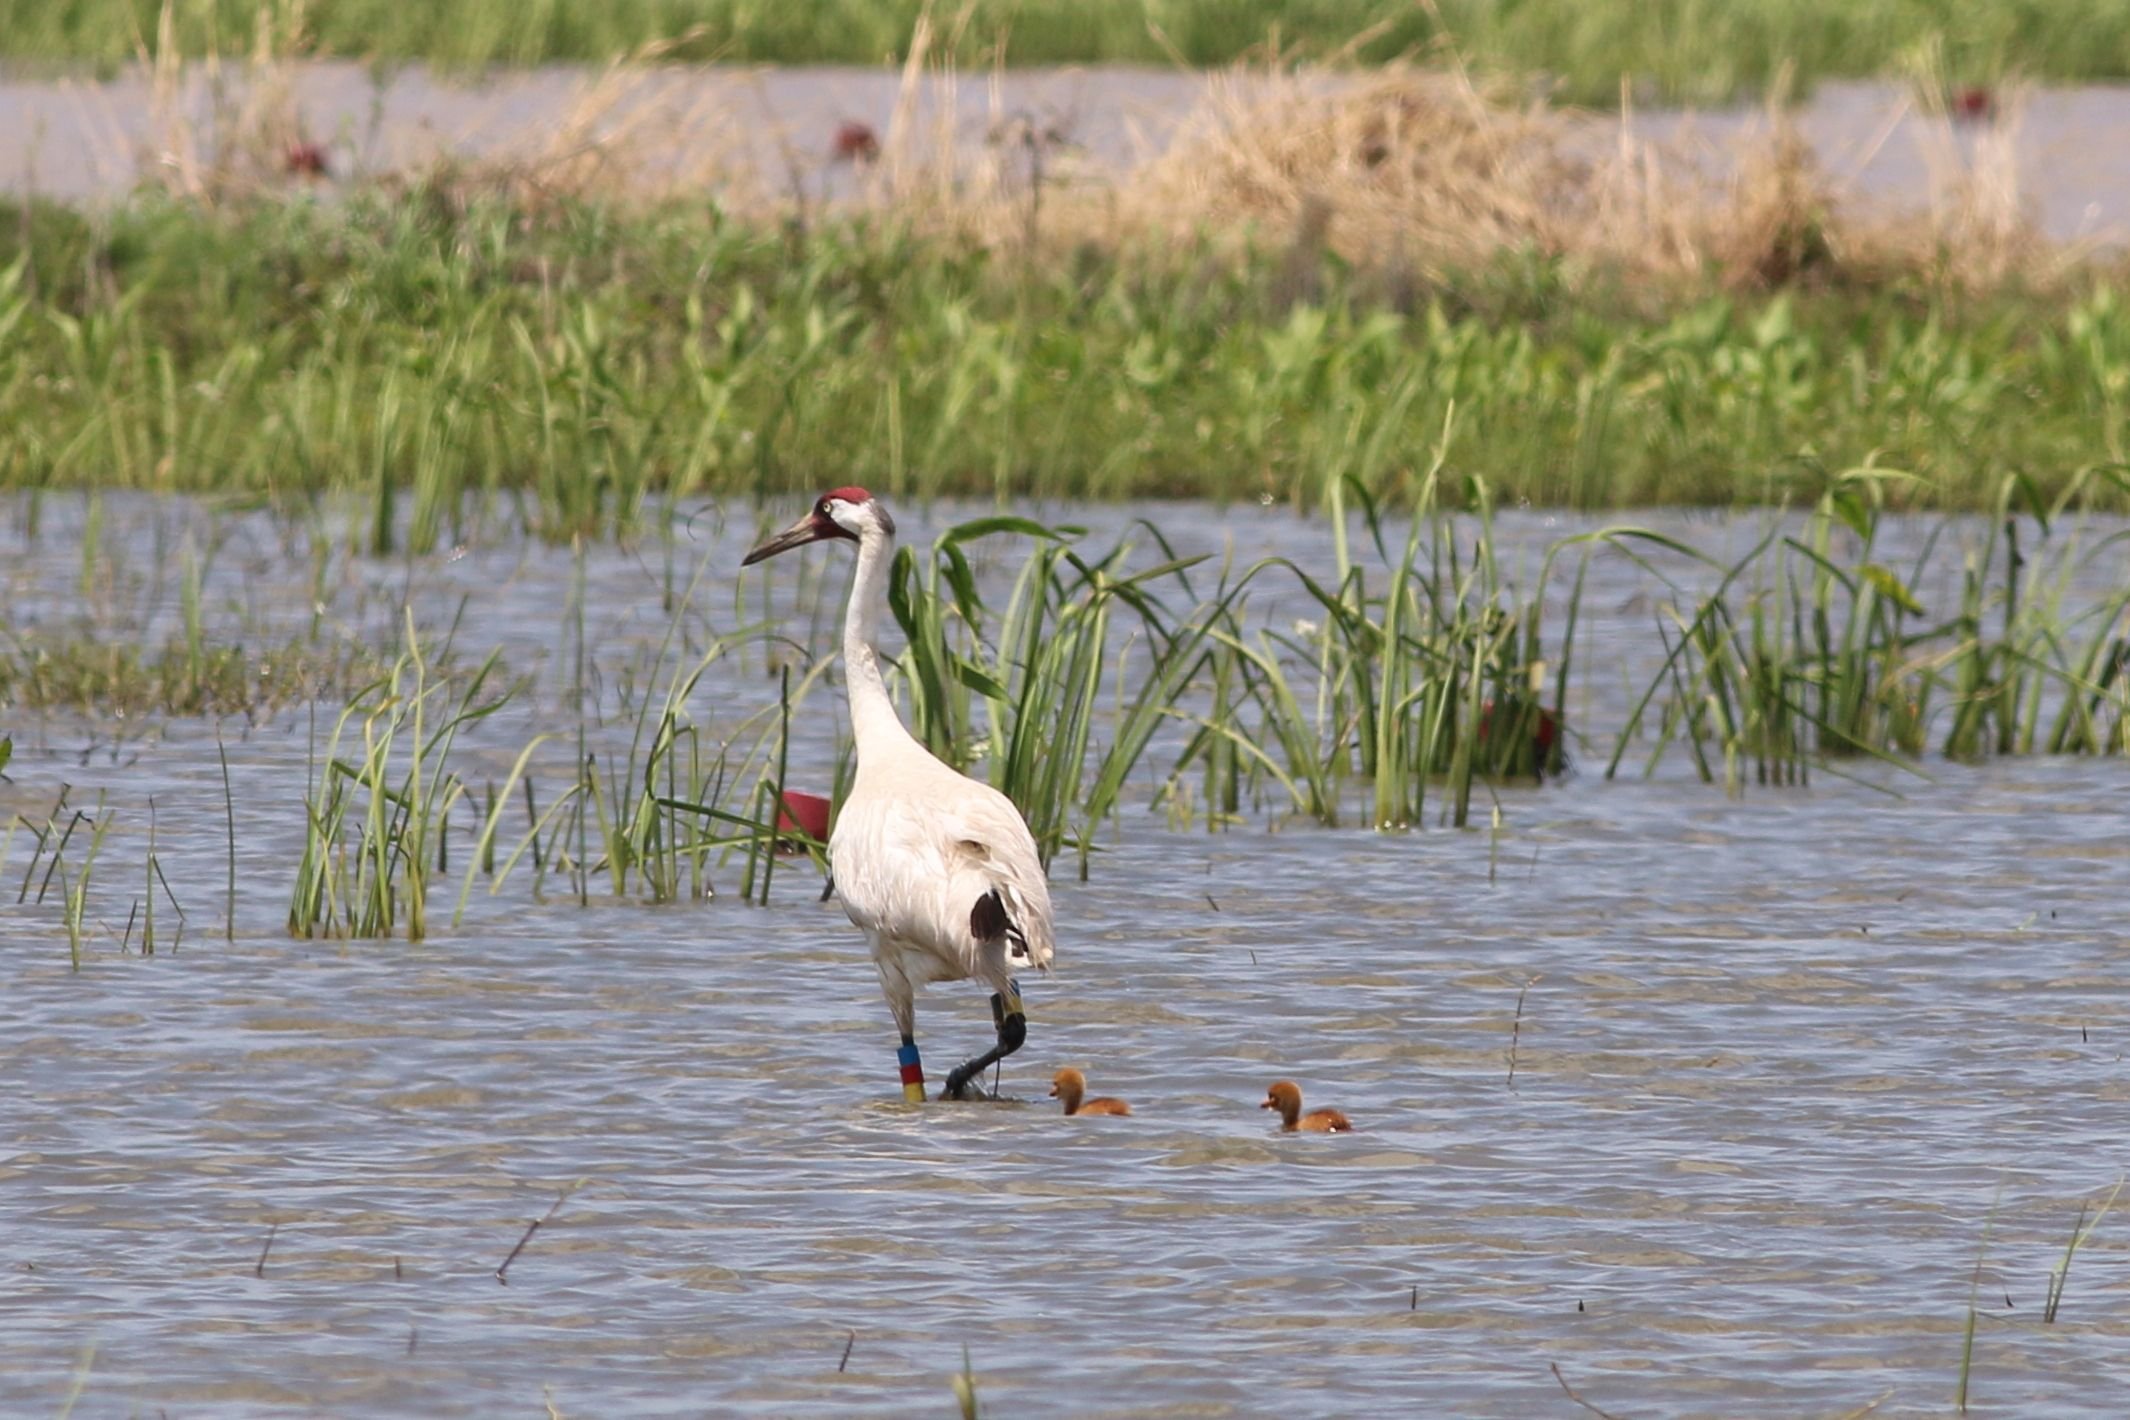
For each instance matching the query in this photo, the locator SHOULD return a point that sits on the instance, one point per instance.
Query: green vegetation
(1416, 681)
(2080, 1231)
(1811, 650)
(1018, 696)
(1426, 669)
(49, 843)
(1425, 681)
(574, 362)
(1675, 48)
(102, 676)
(374, 824)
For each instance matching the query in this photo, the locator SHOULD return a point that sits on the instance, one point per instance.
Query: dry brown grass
(1405, 168)
(1408, 166)
(1417, 169)
(221, 132)
(1393, 161)
(633, 132)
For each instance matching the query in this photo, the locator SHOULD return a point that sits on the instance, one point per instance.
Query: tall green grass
(655, 800)
(557, 370)
(1424, 679)
(377, 812)
(1019, 697)
(1425, 668)
(50, 843)
(1811, 650)
(1676, 48)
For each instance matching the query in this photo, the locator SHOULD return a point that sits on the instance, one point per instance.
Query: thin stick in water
(853, 1341)
(1569, 1391)
(1516, 1030)
(229, 813)
(532, 1228)
(259, 1267)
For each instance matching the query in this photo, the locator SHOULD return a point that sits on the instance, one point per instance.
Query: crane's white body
(916, 844)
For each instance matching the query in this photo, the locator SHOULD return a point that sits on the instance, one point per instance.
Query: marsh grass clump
(1405, 161)
(557, 376)
(653, 798)
(673, 801)
(1779, 228)
(1811, 650)
(1018, 697)
(1442, 675)
(184, 677)
(376, 815)
(50, 843)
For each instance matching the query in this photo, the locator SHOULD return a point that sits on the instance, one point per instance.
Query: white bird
(939, 871)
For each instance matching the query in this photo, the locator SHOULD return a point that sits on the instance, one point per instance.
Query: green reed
(634, 803)
(153, 877)
(2080, 1232)
(451, 360)
(376, 817)
(1426, 665)
(77, 896)
(1810, 649)
(50, 843)
(1037, 675)
(1425, 673)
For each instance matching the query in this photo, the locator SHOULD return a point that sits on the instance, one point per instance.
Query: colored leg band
(912, 1072)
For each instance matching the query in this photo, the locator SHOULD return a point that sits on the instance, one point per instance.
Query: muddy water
(2066, 150)
(1779, 1062)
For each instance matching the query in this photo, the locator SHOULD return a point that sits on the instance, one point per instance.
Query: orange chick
(1069, 1085)
(1286, 1097)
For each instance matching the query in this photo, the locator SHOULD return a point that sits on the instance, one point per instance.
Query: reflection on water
(1778, 1060)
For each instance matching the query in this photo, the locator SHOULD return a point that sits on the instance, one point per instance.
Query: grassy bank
(1672, 48)
(582, 360)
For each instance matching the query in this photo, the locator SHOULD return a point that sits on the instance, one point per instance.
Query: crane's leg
(1012, 1024)
(902, 1001)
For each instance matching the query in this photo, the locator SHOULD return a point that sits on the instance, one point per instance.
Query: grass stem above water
(2080, 1231)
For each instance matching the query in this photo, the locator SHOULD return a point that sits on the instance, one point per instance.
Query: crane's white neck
(874, 723)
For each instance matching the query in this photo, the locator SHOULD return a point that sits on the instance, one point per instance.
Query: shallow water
(1782, 1064)
(2066, 151)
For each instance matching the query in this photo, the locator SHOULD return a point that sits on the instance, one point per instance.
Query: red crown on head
(849, 495)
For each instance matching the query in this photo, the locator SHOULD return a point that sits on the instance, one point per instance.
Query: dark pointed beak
(805, 530)
(1268, 1103)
